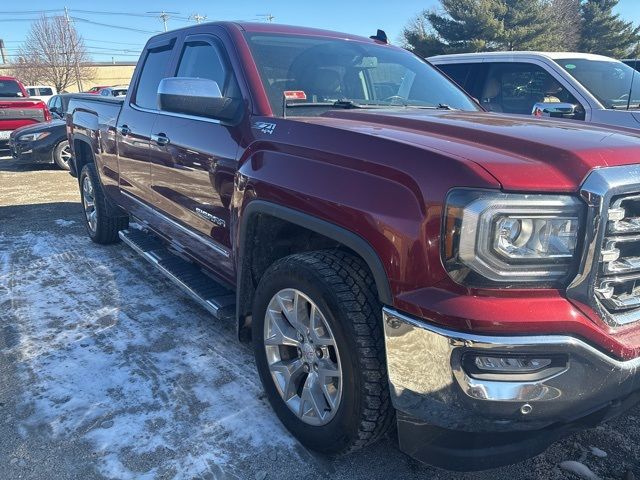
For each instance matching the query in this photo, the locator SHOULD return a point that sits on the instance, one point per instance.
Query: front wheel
(318, 343)
(101, 227)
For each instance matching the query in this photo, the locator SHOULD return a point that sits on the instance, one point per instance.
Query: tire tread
(108, 225)
(349, 277)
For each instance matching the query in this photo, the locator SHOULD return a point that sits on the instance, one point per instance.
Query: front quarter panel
(388, 193)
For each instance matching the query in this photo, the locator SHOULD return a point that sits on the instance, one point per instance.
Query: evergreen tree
(606, 33)
(565, 19)
(481, 25)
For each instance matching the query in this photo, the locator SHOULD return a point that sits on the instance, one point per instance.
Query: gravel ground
(107, 371)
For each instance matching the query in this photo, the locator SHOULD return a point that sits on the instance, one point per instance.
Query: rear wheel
(319, 349)
(101, 227)
(62, 154)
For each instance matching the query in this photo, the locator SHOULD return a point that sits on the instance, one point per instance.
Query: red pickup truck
(394, 253)
(17, 110)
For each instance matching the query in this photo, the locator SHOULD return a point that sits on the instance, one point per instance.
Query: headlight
(495, 238)
(32, 137)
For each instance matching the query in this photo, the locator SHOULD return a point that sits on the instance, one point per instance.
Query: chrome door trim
(209, 243)
(177, 115)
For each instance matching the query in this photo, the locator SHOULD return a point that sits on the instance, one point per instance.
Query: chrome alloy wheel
(303, 357)
(89, 203)
(65, 153)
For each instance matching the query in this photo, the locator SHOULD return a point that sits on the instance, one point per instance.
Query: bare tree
(53, 53)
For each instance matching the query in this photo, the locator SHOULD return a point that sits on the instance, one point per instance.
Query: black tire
(58, 155)
(342, 287)
(106, 226)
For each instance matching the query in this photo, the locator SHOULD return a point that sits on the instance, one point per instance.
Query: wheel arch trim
(347, 238)
(78, 139)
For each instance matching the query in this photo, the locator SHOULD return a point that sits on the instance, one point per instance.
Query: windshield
(609, 81)
(10, 88)
(336, 70)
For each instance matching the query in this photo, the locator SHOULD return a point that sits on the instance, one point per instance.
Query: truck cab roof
(276, 28)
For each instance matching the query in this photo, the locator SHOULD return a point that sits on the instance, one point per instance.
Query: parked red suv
(17, 110)
(395, 253)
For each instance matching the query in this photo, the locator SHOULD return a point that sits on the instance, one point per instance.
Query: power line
(131, 29)
(117, 43)
(30, 12)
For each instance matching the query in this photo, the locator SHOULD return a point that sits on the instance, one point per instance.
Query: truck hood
(522, 153)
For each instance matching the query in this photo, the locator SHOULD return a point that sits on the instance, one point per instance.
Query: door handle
(125, 130)
(161, 139)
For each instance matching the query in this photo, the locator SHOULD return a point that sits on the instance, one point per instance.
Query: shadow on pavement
(9, 164)
(39, 217)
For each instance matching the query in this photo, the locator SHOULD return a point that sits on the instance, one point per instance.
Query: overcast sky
(105, 41)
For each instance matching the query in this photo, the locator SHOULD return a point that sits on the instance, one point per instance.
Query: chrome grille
(608, 276)
(617, 285)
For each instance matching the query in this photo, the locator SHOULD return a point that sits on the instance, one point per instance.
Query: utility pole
(267, 17)
(164, 17)
(2, 54)
(74, 49)
(196, 17)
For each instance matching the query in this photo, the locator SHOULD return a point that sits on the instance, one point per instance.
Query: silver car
(580, 86)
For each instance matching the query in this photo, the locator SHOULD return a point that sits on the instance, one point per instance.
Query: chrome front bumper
(429, 384)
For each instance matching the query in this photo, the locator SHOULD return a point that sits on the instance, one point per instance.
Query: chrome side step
(217, 299)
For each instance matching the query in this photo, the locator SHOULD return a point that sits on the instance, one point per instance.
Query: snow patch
(578, 469)
(110, 351)
(64, 223)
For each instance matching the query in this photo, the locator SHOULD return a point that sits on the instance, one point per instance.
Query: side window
(154, 69)
(203, 60)
(56, 102)
(516, 87)
(459, 72)
(32, 91)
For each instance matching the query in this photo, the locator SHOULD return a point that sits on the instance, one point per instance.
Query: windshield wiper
(348, 104)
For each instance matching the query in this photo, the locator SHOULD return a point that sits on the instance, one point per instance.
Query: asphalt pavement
(108, 371)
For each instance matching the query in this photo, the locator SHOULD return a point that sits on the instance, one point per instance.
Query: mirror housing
(199, 97)
(554, 110)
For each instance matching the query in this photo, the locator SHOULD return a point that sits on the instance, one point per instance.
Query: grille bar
(617, 285)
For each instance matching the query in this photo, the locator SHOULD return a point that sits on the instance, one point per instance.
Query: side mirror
(200, 97)
(555, 110)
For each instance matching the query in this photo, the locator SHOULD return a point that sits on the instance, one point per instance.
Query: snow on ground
(129, 365)
(61, 222)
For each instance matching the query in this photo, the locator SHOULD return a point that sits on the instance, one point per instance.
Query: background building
(106, 73)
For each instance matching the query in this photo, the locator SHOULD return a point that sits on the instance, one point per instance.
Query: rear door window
(154, 70)
(46, 91)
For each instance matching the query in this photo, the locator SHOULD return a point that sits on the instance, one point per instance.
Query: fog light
(511, 364)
